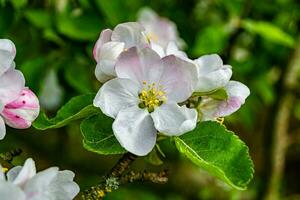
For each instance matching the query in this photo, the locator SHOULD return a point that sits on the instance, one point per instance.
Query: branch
(280, 125)
(111, 180)
(154, 177)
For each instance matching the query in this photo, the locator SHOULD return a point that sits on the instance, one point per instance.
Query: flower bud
(21, 112)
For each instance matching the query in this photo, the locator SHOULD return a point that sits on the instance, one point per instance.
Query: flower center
(151, 96)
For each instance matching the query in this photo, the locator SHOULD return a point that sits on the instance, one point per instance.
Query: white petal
(237, 94)
(135, 131)
(9, 191)
(139, 65)
(172, 49)
(63, 187)
(105, 68)
(37, 187)
(13, 173)
(158, 49)
(7, 55)
(178, 78)
(115, 95)
(212, 74)
(171, 119)
(11, 84)
(131, 33)
(2, 128)
(99, 70)
(2, 175)
(26, 173)
(104, 37)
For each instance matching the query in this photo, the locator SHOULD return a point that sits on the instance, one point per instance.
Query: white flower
(160, 31)
(23, 183)
(143, 98)
(19, 106)
(171, 49)
(211, 109)
(212, 74)
(112, 43)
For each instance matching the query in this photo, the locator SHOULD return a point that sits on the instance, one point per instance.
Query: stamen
(151, 96)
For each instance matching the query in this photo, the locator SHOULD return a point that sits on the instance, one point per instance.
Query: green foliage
(269, 32)
(81, 26)
(98, 135)
(77, 108)
(219, 151)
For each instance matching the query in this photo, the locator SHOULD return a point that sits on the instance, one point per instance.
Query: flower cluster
(19, 106)
(151, 86)
(23, 183)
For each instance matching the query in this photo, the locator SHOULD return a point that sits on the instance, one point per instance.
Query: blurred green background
(54, 40)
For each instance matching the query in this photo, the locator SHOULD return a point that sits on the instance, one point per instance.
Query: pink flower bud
(21, 112)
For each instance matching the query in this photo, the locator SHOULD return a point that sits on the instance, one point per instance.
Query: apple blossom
(160, 31)
(112, 43)
(18, 105)
(23, 183)
(144, 98)
(211, 109)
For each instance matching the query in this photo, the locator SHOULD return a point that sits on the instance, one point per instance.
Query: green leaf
(269, 32)
(211, 39)
(219, 94)
(78, 107)
(39, 18)
(153, 157)
(220, 152)
(79, 27)
(98, 135)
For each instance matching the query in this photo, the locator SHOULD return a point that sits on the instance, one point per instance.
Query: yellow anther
(151, 96)
(4, 170)
(152, 36)
(220, 120)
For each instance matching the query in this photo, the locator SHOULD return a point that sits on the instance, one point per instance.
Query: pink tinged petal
(135, 131)
(9, 191)
(178, 78)
(7, 54)
(2, 128)
(116, 95)
(11, 84)
(105, 36)
(23, 111)
(237, 94)
(139, 65)
(173, 120)
(163, 29)
(212, 74)
(131, 33)
(26, 173)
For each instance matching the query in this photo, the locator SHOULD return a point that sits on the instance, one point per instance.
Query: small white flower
(211, 109)
(112, 43)
(23, 183)
(19, 106)
(144, 98)
(212, 74)
(160, 31)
